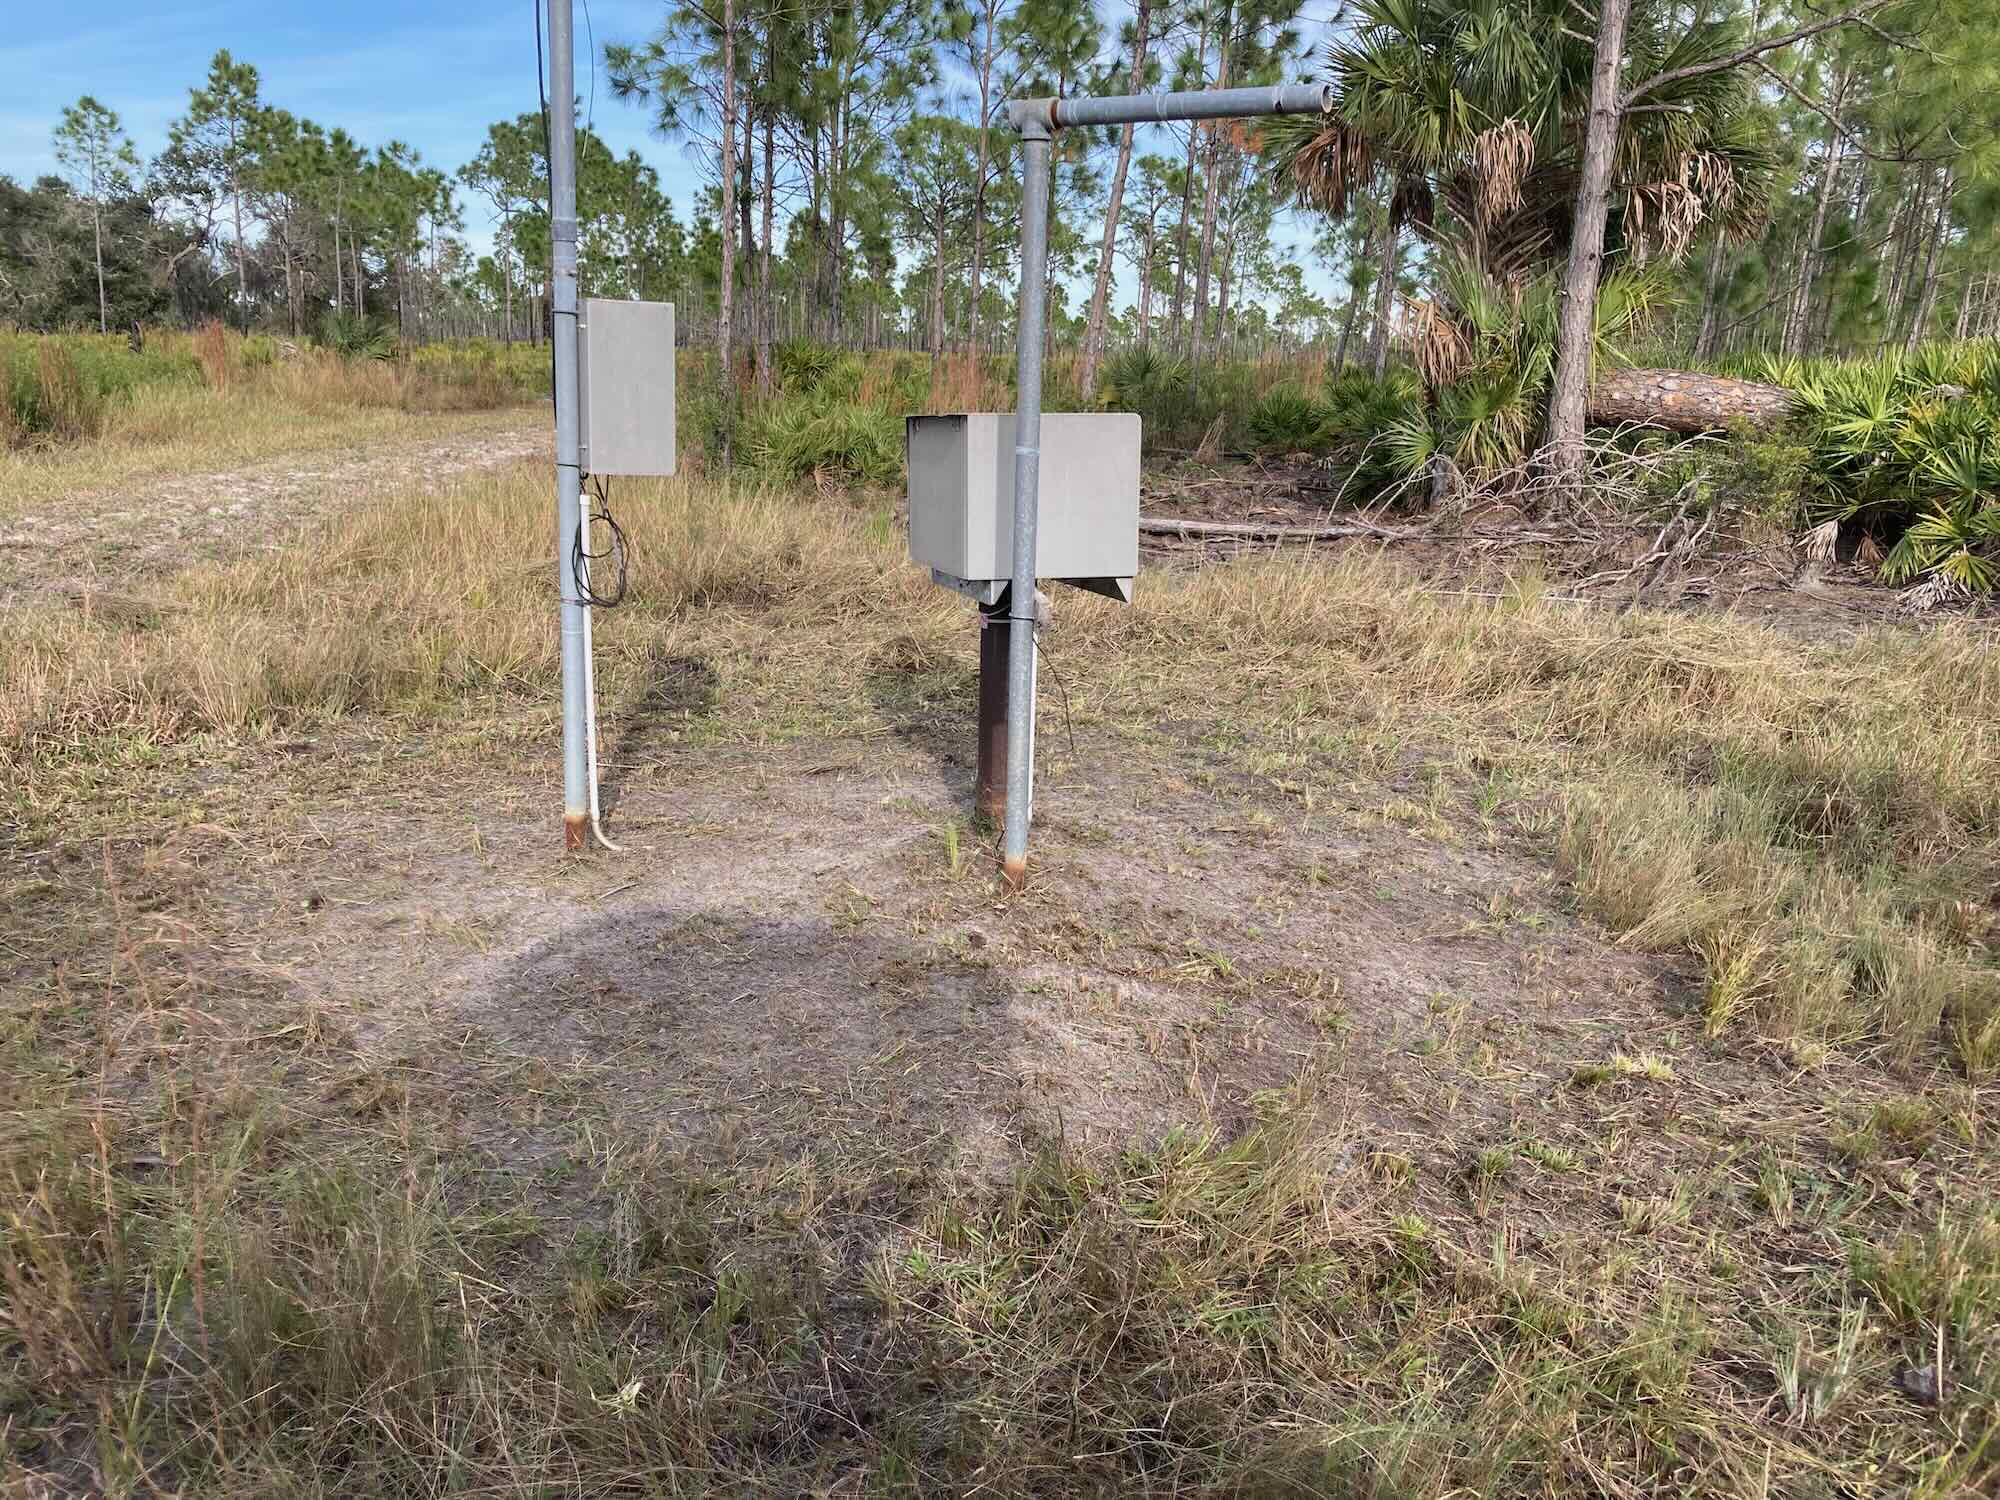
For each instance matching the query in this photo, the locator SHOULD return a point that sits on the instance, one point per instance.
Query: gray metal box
(626, 397)
(961, 471)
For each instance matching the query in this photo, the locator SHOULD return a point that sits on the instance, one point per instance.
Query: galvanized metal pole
(1036, 121)
(569, 462)
(1035, 143)
(1190, 104)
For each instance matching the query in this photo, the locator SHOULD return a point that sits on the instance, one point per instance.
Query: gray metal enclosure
(961, 487)
(625, 403)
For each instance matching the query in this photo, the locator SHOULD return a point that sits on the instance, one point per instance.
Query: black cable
(1062, 687)
(548, 161)
(590, 30)
(599, 513)
(542, 93)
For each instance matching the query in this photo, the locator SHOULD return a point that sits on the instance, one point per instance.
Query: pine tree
(93, 148)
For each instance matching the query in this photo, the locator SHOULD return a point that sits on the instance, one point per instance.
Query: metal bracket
(985, 591)
(1111, 588)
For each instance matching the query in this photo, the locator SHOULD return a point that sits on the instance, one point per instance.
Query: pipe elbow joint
(1032, 119)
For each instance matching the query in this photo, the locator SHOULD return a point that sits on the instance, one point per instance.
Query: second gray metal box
(626, 387)
(961, 471)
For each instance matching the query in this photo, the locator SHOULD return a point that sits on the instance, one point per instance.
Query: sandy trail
(160, 524)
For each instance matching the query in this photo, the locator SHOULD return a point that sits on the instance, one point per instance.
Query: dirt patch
(807, 952)
(163, 525)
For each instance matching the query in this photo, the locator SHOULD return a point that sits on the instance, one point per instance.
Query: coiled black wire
(579, 553)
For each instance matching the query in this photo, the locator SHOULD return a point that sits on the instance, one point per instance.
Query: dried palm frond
(1501, 157)
(1210, 449)
(1675, 212)
(1330, 167)
(1818, 544)
(1934, 592)
(1710, 175)
(1413, 203)
(1438, 344)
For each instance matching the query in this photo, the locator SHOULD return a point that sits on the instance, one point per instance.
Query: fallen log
(1684, 401)
(1246, 531)
(1238, 531)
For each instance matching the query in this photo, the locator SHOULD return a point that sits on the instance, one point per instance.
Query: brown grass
(212, 350)
(381, 1309)
(963, 382)
(1817, 826)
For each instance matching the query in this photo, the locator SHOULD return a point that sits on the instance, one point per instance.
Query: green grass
(57, 388)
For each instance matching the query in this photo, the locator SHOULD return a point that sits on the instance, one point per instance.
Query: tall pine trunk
(726, 313)
(1575, 332)
(1093, 337)
(1353, 316)
(236, 201)
(1927, 293)
(937, 291)
(1801, 313)
(1711, 321)
(1211, 185)
(1822, 339)
(1799, 316)
(1181, 245)
(1908, 213)
(1146, 285)
(765, 312)
(97, 232)
(979, 184)
(746, 230)
(837, 297)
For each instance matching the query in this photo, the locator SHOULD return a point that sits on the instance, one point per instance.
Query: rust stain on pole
(576, 828)
(995, 650)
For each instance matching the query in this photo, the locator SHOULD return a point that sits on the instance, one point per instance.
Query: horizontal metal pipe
(1191, 104)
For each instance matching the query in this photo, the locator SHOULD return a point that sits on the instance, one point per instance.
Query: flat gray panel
(934, 451)
(627, 391)
(961, 470)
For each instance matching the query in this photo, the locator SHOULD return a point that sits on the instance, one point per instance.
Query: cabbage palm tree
(1472, 112)
(1470, 115)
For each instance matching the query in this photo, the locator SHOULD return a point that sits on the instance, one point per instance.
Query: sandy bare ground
(805, 948)
(159, 525)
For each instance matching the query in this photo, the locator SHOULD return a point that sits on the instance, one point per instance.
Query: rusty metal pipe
(995, 648)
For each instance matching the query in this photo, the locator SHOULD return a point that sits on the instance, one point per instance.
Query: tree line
(1800, 186)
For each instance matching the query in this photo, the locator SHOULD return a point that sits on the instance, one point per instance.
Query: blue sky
(433, 73)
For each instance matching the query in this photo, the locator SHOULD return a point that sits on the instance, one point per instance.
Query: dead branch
(1749, 53)
(1191, 531)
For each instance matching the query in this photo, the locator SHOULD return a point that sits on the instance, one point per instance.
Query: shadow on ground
(676, 691)
(933, 708)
